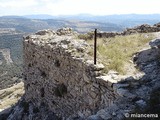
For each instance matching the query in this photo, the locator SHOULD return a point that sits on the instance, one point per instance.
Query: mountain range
(126, 20)
(80, 23)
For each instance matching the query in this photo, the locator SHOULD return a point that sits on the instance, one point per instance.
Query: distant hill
(125, 20)
(80, 23)
(23, 24)
(40, 16)
(32, 25)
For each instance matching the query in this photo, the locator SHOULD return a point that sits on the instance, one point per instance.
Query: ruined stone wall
(60, 75)
(145, 28)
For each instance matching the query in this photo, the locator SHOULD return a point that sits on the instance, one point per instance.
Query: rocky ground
(139, 93)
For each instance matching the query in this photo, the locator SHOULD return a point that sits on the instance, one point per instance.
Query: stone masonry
(59, 74)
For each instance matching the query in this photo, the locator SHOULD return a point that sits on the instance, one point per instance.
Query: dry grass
(116, 52)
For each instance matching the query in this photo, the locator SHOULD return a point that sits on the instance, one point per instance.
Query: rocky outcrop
(145, 28)
(157, 25)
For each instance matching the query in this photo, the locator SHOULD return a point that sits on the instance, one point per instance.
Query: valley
(10, 59)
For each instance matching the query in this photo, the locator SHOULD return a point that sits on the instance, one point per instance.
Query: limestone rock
(141, 103)
(155, 43)
(122, 92)
(65, 31)
(45, 32)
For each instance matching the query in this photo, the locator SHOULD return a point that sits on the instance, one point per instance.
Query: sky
(72, 7)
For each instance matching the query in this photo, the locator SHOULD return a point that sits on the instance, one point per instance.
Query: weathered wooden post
(95, 46)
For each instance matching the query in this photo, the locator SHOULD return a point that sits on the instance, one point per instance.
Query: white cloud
(17, 3)
(102, 7)
(65, 7)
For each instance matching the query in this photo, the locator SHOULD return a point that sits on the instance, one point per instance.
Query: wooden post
(95, 46)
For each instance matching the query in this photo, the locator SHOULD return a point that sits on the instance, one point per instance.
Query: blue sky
(71, 7)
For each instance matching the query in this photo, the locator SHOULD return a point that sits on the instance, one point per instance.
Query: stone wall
(60, 75)
(145, 28)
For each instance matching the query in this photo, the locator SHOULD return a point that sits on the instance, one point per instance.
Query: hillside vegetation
(11, 73)
(33, 25)
(116, 53)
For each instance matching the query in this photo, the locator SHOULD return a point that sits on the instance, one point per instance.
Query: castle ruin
(59, 73)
